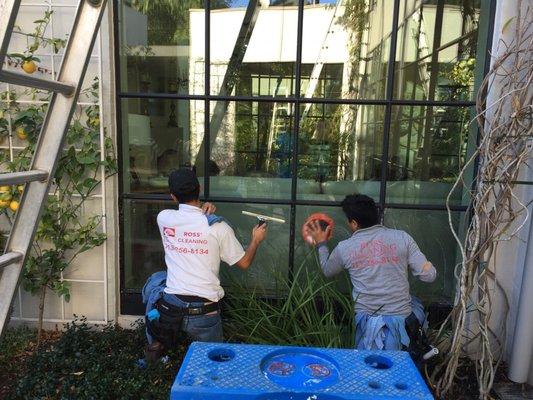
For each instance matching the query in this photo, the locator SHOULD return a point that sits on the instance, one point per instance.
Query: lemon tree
(62, 234)
(34, 41)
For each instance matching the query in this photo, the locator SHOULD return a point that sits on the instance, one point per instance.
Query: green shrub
(86, 363)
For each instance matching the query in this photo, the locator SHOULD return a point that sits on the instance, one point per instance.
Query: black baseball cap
(183, 181)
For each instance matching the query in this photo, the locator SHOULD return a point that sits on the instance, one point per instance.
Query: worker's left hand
(316, 232)
(208, 208)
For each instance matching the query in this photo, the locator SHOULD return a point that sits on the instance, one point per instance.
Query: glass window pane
(158, 136)
(253, 46)
(272, 258)
(339, 151)
(162, 46)
(143, 251)
(251, 149)
(431, 231)
(427, 150)
(437, 54)
(345, 49)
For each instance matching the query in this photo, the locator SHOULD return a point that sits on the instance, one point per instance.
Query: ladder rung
(10, 258)
(16, 178)
(16, 78)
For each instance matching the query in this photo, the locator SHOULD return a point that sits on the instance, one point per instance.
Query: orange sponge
(324, 221)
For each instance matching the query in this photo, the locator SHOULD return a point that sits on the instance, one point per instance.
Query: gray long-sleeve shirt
(378, 259)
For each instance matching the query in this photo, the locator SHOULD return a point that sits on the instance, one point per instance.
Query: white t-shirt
(193, 251)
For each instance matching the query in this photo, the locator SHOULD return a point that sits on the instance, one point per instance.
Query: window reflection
(427, 149)
(253, 47)
(158, 42)
(345, 48)
(143, 250)
(251, 147)
(271, 260)
(437, 50)
(159, 136)
(339, 151)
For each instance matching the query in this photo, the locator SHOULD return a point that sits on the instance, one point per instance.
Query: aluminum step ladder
(50, 143)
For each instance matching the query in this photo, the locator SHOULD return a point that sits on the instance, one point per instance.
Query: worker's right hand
(316, 232)
(259, 233)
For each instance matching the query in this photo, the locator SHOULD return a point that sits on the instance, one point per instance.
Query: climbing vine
(67, 229)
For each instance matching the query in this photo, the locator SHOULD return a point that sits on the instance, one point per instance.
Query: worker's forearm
(327, 265)
(249, 255)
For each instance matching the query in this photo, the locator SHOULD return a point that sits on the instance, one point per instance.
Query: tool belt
(167, 327)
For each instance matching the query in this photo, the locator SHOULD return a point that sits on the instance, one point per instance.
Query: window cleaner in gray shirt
(378, 260)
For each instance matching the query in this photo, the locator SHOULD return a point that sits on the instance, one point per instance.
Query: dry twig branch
(496, 213)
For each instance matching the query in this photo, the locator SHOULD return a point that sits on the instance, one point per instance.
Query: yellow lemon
(4, 203)
(20, 188)
(14, 205)
(21, 133)
(6, 196)
(93, 121)
(29, 67)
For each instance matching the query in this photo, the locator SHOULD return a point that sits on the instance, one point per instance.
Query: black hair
(184, 185)
(361, 209)
(188, 196)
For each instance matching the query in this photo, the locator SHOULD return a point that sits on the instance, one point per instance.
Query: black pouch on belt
(419, 347)
(166, 329)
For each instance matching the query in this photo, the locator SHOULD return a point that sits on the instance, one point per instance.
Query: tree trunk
(41, 312)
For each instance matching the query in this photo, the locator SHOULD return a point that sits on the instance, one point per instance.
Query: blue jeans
(202, 328)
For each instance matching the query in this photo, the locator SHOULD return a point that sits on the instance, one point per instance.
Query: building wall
(92, 276)
(511, 259)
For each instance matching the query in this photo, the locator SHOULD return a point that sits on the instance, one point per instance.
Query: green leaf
(86, 160)
(16, 55)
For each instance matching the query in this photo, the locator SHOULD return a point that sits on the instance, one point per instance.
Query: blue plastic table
(236, 371)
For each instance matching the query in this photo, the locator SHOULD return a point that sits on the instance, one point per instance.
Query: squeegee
(264, 218)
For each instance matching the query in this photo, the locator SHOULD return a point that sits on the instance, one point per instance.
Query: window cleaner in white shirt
(193, 251)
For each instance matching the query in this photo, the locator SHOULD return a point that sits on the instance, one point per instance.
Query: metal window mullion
(270, 201)
(388, 108)
(296, 134)
(486, 69)
(207, 91)
(119, 143)
(292, 99)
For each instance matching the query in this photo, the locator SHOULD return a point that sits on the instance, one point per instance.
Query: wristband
(321, 244)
